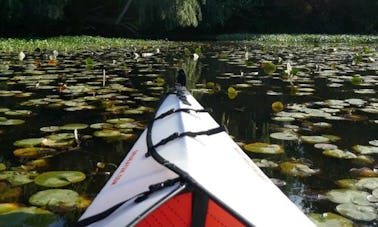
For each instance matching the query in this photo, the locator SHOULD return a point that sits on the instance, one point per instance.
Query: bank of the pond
(77, 43)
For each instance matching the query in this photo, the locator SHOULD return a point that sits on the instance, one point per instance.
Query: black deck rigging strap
(186, 110)
(138, 198)
(177, 135)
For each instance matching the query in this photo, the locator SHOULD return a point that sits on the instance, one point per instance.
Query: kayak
(185, 170)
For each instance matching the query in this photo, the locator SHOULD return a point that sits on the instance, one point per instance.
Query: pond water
(81, 111)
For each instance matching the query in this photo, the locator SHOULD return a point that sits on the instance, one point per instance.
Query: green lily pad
(314, 139)
(74, 126)
(374, 143)
(325, 146)
(33, 152)
(330, 219)
(263, 163)
(101, 126)
(269, 67)
(296, 169)
(10, 122)
(59, 200)
(264, 148)
(18, 177)
(7, 207)
(120, 120)
(31, 142)
(58, 143)
(59, 178)
(348, 196)
(27, 216)
(368, 182)
(107, 133)
(357, 212)
(347, 183)
(337, 153)
(61, 136)
(365, 149)
(50, 129)
(18, 112)
(284, 136)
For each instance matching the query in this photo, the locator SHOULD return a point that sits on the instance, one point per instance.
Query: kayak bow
(185, 170)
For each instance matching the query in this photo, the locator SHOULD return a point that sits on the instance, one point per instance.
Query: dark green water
(324, 73)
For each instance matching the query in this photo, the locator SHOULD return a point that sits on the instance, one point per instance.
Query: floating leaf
(356, 80)
(337, 153)
(27, 216)
(277, 106)
(330, 219)
(325, 146)
(107, 133)
(296, 169)
(232, 93)
(57, 199)
(314, 139)
(74, 126)
(357, 212)
(368, 182)
(33, 152)
(263, 163)
(347, 183)
(284, 136)
(10, 122)
(31, 142)
(264, 148)
(59, 178)
(269, 67)
(348, 196)
(18, 177)
(365, 149)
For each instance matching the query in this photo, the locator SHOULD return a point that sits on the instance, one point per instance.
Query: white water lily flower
(195, 57)
(21, 56)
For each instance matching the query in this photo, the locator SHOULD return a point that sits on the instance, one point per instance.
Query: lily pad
(347, 183)
(59, 178)
(330, 219)
(325, 146)
(33, 152)
(348, 196)
(18, 177)
(263, 163)
(27, 216)
(31, 142)
(107, 133)
(50, 129)
(284, 136)
(368, 182)
(277, 106)
(58, 199)
(357, 212)
(232, 93)
(296, 169)
(10, 122)
(365, 149)
(314, 139)
(74, 126)
(337, 153)
(120, 120)
(264, 148)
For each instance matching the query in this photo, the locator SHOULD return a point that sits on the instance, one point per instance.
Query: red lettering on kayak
(124, 167)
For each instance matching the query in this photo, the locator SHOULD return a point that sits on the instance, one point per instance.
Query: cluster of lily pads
(40, 83)
(307, 114)
(115, 91)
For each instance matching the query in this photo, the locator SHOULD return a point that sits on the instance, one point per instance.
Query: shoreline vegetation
(77, 43)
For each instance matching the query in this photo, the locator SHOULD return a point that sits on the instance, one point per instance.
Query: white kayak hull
(184, 142)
